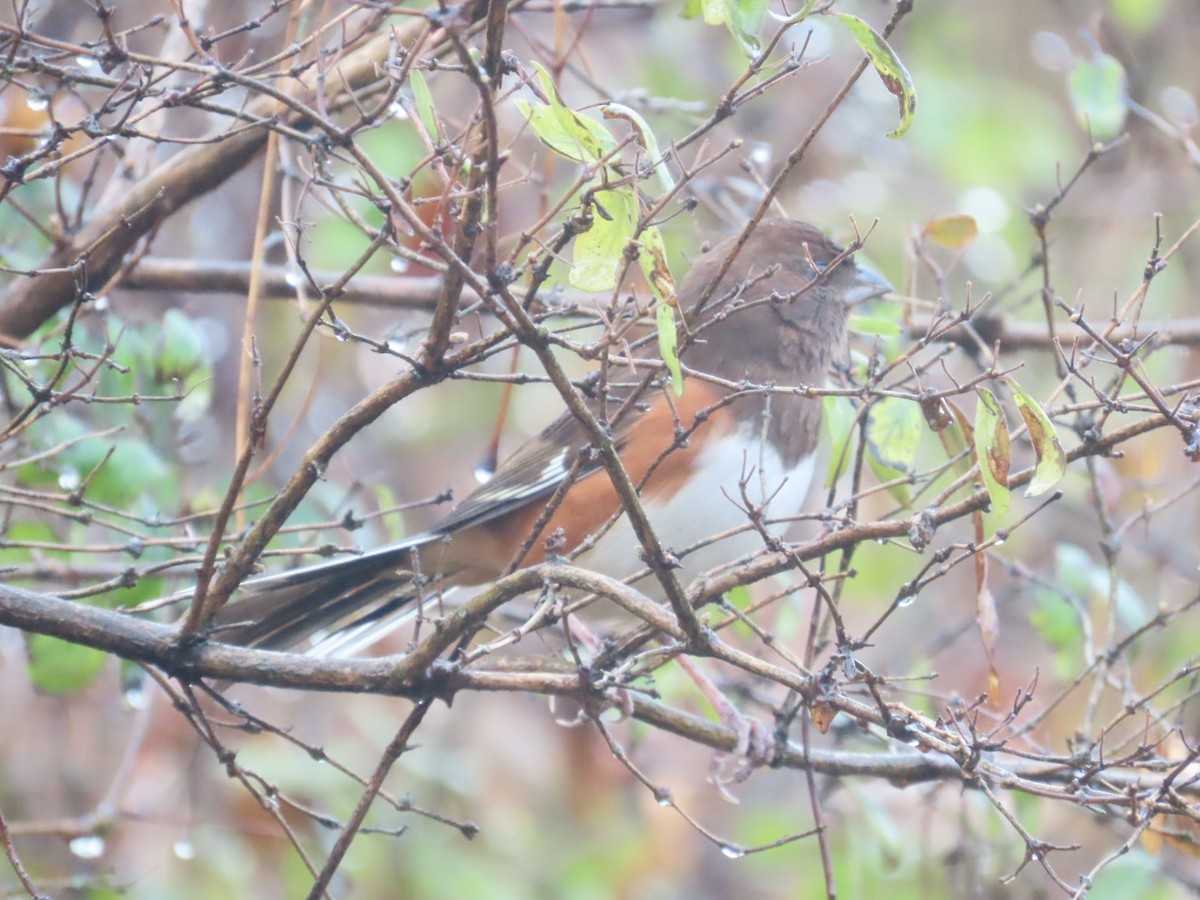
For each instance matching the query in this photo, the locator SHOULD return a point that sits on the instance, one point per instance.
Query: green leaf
(600, 251)
(645, 138)
(958, 437)
(566, 132)
(839, 423)
(423, 101)
(891, 71)
(59, 667)
(664, 318)
(714, 11)
(180, 348)
(739, 596)
(993, 449)
(653, 260)
(1140, 16)
(873, 325)
(1051, 460)
(885, 473)
(134, 468)
(197, 390)
(691, 9)
(1098, 94)
(894, 432)
(745, 19)
(547, 127)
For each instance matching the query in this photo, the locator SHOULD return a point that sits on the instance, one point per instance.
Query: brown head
(767, 321)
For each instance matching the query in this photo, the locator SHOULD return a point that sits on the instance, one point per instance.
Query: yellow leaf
(954, 232)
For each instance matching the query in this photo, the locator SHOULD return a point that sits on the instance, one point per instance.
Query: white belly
(710, 505)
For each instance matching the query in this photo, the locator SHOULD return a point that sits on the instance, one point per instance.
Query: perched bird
(777, 319)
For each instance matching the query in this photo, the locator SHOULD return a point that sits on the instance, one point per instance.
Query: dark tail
(355, 594)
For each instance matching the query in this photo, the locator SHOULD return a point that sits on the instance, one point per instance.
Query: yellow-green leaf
(873, 325)
(653, 260)
(891, 71)
(993, 449)
(899, 491)
(565, 131)
(1099, 95)
(423, 101)
(893, 436)
(714, 11)
(1051, 460)
(645, 138)
(600, 251)
(745, 19)
(664, 318)
(958, 437)
(839, 422)
(954, 232)
(59, 667)
(549, 129)
(894, 432)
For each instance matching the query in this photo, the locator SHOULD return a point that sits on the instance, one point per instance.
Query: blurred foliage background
(108, 793)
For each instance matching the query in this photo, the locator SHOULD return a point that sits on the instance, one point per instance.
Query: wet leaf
(568, 133)
(992, 449)
(645, 138)
(664, 318)
(745, 19)
(1051, 460)
(894, 432)
(653, 259)
(600, 251)
(891, 71)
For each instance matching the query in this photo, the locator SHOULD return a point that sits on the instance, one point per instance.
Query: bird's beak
(866, 285)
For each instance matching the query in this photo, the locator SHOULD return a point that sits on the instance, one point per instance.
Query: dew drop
(87, 846)
(84, 61)
(905, 601)
(183, 848)
(37, 99)
(136, 696)
(483, 473)
(293, 279)
(100, 304)
(398, 112)
(399, 265)
(762, 154)
(68, 479)
(732, 852)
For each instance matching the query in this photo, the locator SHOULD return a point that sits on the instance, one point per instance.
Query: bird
(776, 319)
